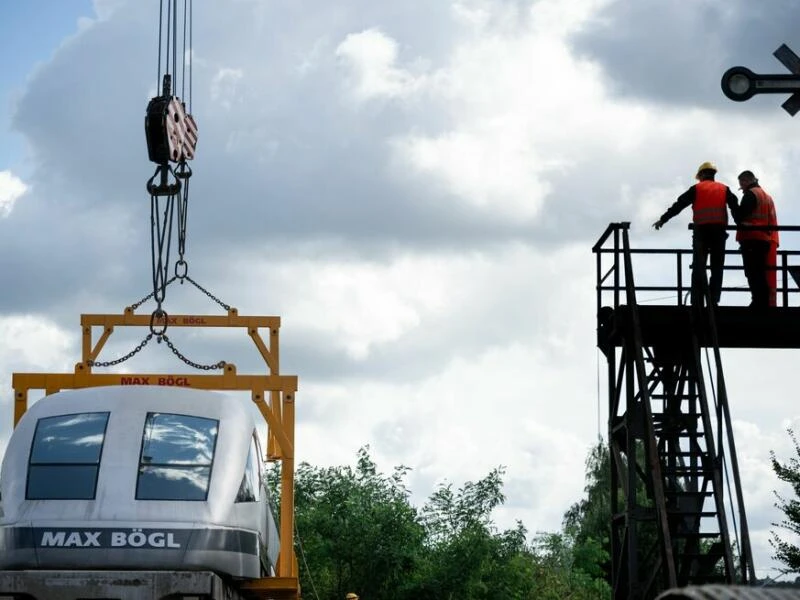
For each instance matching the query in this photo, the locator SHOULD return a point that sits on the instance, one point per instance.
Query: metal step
(689, 513)
(692, 535)
(687, 453)
(686, 471)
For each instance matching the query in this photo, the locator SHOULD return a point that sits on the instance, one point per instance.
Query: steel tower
(677, 506)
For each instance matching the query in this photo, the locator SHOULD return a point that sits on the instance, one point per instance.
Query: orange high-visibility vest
(709, 206)
(763, 214)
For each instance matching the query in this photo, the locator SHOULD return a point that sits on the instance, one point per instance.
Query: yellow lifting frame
(278, 412)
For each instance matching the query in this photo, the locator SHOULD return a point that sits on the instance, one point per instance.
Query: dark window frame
(94, 464)
(178, 467)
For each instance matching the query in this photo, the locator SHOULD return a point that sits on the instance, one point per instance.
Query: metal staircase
(670, 437)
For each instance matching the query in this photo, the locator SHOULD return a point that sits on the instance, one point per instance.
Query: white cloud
(523, 108)
(30, 343)
(33, 342)
(491, 169)
(224, 86)
(105, 9)
(460, 423)
(11, 189)
(366, 305)
(423, 300)
(311, 59)
(372, 57)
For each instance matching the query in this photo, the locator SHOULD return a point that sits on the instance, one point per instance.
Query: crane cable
(171, 135)
(181, 266)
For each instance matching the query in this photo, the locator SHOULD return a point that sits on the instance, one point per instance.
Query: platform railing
(670, 271)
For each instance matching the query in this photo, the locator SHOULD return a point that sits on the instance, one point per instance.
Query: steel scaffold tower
(677, 505)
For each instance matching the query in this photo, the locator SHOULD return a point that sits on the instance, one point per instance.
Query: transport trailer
(116, 585)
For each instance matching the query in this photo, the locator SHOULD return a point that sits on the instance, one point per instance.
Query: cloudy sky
(414, 187)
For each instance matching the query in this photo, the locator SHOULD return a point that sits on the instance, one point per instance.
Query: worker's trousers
(708, 245)
(754, 260)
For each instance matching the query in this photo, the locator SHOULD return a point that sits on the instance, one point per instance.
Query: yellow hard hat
(706, 166)
(351, 596)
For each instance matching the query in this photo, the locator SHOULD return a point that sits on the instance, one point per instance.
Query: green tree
(789, 472)
(356, 530)
(587, 523)
(465, 557)
(565, 569)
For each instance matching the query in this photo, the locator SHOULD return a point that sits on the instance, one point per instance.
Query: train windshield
(65, 457)
(176, 458)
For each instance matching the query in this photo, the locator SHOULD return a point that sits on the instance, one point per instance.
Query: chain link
(136, 305)
(181, 269)
(116, 361)
(159, 313)
(209, 294)
(218, 365)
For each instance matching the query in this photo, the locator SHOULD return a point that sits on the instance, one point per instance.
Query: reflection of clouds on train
(163, 483)
(69, 432)
(125, 477)
(65, 439)
(179, 436)
(176, 457)
(89, 440)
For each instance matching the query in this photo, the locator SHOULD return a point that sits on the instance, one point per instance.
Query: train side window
(65, 457)
(176, 458)
(249, 490)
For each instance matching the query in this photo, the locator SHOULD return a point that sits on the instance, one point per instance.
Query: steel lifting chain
(159, 337)
(209, 294)
(227, 307)
(136, 305)
(116, 361)
(217, 365)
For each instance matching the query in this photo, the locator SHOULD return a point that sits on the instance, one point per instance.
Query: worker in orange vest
(757, 247)
(708, 199)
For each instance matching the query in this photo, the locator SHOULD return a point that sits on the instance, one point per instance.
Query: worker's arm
(746, 207)
(684, 200)
(733, 204)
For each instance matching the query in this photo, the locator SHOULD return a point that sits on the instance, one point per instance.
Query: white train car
(137, 477)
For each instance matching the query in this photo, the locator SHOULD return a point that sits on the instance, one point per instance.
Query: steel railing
(676, 282)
